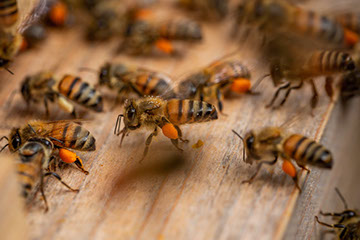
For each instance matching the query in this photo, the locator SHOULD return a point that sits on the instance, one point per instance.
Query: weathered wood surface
(201, 199)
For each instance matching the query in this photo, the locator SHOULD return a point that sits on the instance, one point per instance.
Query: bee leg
(46, 108)
(74, 114)
(148, 142)
(80, 165)
(315, 97)
(288, 93)
(175, 142)
(329, 225)
(60, 180)
(329, 87)
(180, 134)
(42, 192)
(277, 94)
(303, 167)
(290, 170)
(258, 169)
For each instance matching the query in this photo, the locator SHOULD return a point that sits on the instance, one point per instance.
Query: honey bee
(154, 112)
(179, 29)
(272, 142)
(293, 73)
(43, 87)
(350, 85)
(215, 80)
(33, 166)
(348, 222)
(132, 79)
(216, 9)
(280, 16)
(63, 134)
(350, 21)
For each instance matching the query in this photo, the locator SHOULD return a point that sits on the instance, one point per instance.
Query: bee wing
(30, 11)
(332, 6)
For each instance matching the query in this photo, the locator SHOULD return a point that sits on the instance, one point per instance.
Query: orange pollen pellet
(24, 45)
(240, 85)
(164, 45)
(58, 13)
(170, 131)
(143, 14)
(67, 156)
(289, 168)
(351, 38)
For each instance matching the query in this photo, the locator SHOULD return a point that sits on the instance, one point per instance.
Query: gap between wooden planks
(203, 200)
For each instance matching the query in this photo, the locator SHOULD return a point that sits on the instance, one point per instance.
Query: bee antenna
(86, 69)
(242, 139)
(257, 83)
(341, 197)
(118, 124)
(4, 137)
(9, 71)
(32, 129)
(4, 147)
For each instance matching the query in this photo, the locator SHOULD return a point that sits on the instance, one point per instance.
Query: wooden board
(203, 198)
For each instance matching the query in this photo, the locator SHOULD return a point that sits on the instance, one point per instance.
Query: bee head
(131, 119)
(347, 63)
(25, 89)
(15, 140)
(4, 62)
(105, 74)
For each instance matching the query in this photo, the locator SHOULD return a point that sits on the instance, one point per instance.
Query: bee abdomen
(76, 137)
(27, 175)
(81, 92)
(307, 151)
(181, 29)
(8, 12)
(189, 111)
(331, 62)
(152, 84)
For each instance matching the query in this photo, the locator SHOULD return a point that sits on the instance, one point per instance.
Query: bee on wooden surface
(154, 113)
(33, 166)
(274, 142)
(43, 87)
(131, 79)
(216, 80)
(350, 85)
(348, 222)
(280, 16)
(293, 73)
(12, 23)
(63, 134)
(210, 9)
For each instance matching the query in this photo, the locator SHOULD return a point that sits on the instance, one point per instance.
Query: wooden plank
(203, 198)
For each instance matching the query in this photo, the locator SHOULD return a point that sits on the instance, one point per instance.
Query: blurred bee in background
(13, 21)
(43, 87)
(348, 221)
(215, 80)
(282, 17)
(291, 66)
(350, 21)
(64, 135)
(179, 29)
(350, 85)
(58, 13)
(154, 113)
(35, 157)
(33, 36)
(209, 9)
(131, 79)
(275, 142)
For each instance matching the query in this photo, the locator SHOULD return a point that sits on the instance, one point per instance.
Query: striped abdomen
(181, 29)
(350, 21)
(307, 151)
(308, 22)
(72, 135)
(80, 92)
(328, 62)
(148, 83)
(8, 12)
(189, 111)
(227, 70)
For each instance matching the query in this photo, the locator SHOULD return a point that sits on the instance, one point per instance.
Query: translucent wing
(30, 11)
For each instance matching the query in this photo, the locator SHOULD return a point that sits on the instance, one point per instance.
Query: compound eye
(15, 143)
(103, 75)
(250, 142)
(131, 114)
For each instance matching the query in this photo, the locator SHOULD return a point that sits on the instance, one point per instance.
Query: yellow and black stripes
(180, 29)
(27, 176)
(74, 136)
(330, 62)
(307, 151)
(80, 92)
(8, 12)
(350, 21)
(189, 111)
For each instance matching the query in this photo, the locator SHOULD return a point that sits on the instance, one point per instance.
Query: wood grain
(203, 197)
